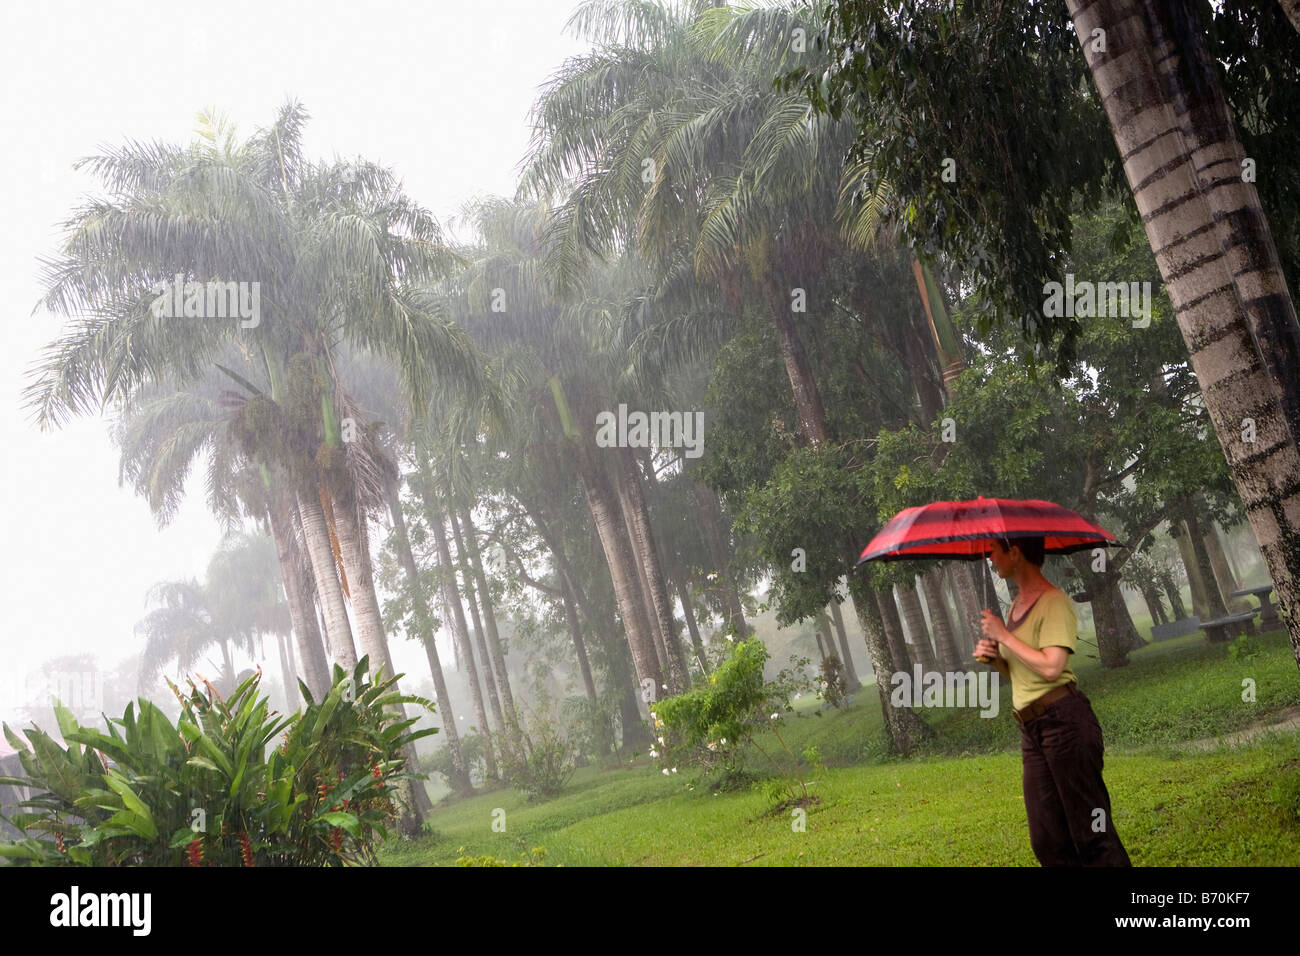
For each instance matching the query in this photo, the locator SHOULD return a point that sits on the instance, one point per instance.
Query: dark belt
(1039, 706)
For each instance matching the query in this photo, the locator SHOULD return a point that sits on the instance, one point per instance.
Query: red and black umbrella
(963, 530)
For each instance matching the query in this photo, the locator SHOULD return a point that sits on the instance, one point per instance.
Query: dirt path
(1288, 719)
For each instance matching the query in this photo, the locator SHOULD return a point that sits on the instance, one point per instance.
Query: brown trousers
(1066, 799)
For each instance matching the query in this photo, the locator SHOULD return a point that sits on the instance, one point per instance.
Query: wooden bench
(1221, 629)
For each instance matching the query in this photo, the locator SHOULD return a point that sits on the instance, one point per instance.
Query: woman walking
(1060, 740)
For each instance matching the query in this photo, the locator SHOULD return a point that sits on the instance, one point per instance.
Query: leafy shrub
(534, 857)
(471, 751)
(207, 792)
(710, 725)
(546, 759)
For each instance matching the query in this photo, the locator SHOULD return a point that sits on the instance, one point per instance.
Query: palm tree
(1183, 158)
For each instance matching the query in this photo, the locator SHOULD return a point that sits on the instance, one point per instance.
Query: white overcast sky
(438, 91)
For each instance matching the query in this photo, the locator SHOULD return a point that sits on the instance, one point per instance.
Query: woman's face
(1004, 561)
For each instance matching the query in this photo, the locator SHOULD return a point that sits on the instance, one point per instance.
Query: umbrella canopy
(963, 529)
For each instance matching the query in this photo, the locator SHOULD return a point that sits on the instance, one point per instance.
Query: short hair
(1033, 549)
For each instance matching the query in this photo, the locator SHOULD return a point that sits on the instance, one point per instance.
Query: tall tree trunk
(1155, 607)
(893, 625)
(1174, 593)
(354, 544)
(692, 626)
(424, 631)
(967, 594)
(365, 602)
(1164, 98)
(906, 729)
(476, 620)
(298, 595)
(338, 631)
(711, 520)
(659, 606)
(605, 515)
(1222, 573)
(807, 399)
(950, 659)
(1195, 583)
(455, 611)
(1204, 568)
(287, 675)
(919, 650)
(490, 620)
(851, 681)
(822, 637)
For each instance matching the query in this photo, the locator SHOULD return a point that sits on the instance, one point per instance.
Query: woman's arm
(1047, 663)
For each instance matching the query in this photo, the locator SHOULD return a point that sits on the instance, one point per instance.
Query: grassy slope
(1227, 807)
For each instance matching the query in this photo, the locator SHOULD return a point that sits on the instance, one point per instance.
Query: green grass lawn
(960, 804)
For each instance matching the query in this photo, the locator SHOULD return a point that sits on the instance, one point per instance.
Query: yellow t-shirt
(1051, 622)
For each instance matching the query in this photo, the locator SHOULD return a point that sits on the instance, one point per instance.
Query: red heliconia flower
(58, 841)
(336, 837)
(245, 848)
(194, 852)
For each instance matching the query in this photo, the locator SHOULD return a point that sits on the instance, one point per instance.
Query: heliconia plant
(215, 788)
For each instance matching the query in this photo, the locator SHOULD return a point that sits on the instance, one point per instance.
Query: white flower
(775, 716)
(664, 686)
(730, 638)
(654, 753)
(674, 769)
(661, 740)
(724, 741)
(665, 771)
(712, 576)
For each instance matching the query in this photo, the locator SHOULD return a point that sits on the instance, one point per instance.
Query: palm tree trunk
(1222, 572)
(338, 632)
(490, 620)
(354, 544)
(950, 659)
(906, 729)
(710, 521)
(893, 627)
(365, 602)
(455, 611)
(302, 614)
(807, 399)
(622, 571)
(287, 675)
(692, 626)
(1164, 98)
(921, 651)
(424, 631)
(1204, 567)
(1174, 594)
(488, 680)
(658, 605)
(851, 681)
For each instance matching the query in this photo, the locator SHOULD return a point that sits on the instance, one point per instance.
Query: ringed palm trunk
(490, 620)
(365, 602)
(851, 681)
(893, 627)
(920, 650)
(456, 612)
(710, 520)
(906, 729)
(354, 544)
(632, 497)
(945, 644)
(476, 620)
(338, 632)
(1183, 159)
(807, 399)
(622, 571)
(298, 595)
(424, 631)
